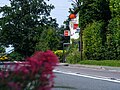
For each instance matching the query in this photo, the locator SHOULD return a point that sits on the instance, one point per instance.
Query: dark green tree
(94, 10)
(91, 10)
(49, 39)
(22, 22)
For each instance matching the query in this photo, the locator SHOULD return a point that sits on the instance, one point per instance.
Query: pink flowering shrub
(34, 74)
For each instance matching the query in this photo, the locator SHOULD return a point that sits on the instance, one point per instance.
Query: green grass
(114, 63)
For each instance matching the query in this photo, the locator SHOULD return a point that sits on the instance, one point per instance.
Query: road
(95, 72)
(75, 82)
(85, 78)
(74, 77)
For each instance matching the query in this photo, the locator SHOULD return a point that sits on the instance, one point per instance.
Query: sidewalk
(91, 66)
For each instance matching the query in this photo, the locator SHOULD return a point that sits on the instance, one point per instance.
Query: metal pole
(63, 54)
(81, 44)
(80, 34)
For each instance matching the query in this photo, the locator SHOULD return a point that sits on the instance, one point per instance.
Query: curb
(91, 66)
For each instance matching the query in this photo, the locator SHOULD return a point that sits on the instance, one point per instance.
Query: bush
(59, 53)
(73, 57)
(113, 38)
(34, 74)
(3, 57)
(93, 40)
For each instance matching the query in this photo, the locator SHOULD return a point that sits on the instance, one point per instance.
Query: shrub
(73, 57)
(3, 57)
(59, 53)
(93, 40)
(113, 38)
(35, 74)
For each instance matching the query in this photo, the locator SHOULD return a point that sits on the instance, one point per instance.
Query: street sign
(66, 33)
(75, 26)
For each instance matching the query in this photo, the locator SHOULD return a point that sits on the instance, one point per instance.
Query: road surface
(75, 82)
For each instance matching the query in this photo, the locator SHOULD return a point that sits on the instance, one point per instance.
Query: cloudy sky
(60, 12)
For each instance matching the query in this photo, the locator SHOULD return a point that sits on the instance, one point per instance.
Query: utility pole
(81, 43)
(78, 5)
(80, 38)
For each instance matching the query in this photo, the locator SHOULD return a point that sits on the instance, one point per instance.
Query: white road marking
(92, 77)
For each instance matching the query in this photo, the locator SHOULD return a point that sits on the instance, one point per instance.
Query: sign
(77, 30)
(66, 33)
(75, 26)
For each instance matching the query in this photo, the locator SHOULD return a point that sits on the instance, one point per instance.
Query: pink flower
(38, 67)
(14, 86)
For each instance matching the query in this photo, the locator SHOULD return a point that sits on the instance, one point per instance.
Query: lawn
(114, 63)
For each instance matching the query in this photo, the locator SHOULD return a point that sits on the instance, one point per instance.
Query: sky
(60, 12)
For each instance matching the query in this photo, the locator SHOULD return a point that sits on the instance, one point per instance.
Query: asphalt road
(85, 78)
(95, 72)
(74, 82)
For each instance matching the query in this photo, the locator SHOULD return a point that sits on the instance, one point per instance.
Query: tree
(22, 22)
(92, 10)
(49, 39)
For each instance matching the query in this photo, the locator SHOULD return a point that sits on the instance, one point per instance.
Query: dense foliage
(100, 22)
(113, 38)
(93, 10)
(92, 41)
(22, 21)
(115, 7)
(49, 39)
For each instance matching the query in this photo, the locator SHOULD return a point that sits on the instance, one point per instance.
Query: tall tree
(22, 22)
(49, 39)
(92, 10)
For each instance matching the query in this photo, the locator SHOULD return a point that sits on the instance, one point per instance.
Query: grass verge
(113, 63)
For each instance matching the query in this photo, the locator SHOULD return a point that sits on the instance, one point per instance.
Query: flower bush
(34, 74)
(59, 53)
(3, 57)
